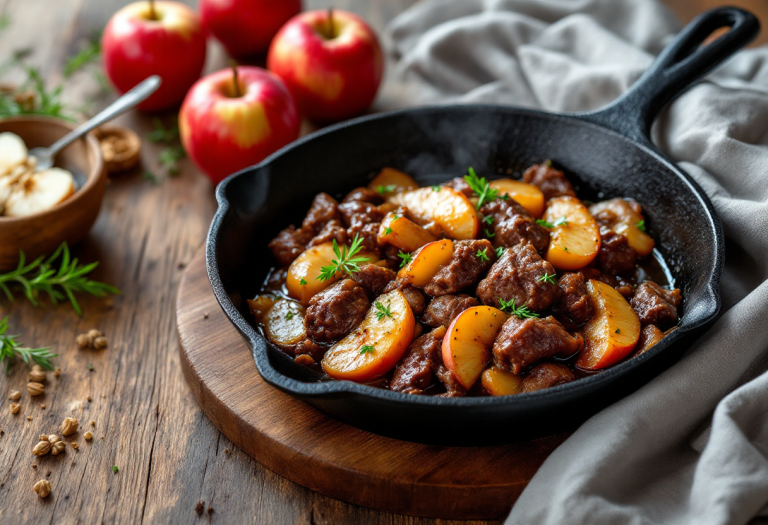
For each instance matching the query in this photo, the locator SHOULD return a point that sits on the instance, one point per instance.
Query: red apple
(246, 27)
(234, 118)
(330, 60)
(154, 38)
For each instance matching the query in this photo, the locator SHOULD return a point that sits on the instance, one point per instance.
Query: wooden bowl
(69, 221)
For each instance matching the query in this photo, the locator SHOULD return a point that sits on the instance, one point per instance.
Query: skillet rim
(336, 388)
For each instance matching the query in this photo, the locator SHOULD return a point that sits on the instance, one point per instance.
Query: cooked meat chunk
(374, 278)
(512, 225)
(623, 287)
(452, 386)
(470, 259)
(368, 233)
(336, 311)
(573, 307)
(517, 275)
(649, 337)
(444, 309)
(522, 342)
(547, 375)
(333, 229)
(310, 348)
(324, 208)
(616, 256)
(550, 181)
(364, 195)
(289, 244)
(415, 298)
(655, 305)
(414, 372)
(460, 185)
(359, 212)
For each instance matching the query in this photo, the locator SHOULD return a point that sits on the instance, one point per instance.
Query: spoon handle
(119, 106)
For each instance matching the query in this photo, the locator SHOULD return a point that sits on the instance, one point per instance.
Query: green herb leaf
(289, 316)
(151, 177)
(387, 231)
(162, 134)
(115, 469)
(542, 222)
(548, 163)
(499, 251)
(618, 331)
(386, 189)
(345, 261)
(488, 219)
(489, 234)
(366, 349)
(641, 225)
(522, 312)
(562, 221)
(482, 255)
(546, 278)
(436, 188)
(11, 348)
(406, 258)
(90, 53)
(382, 311)
(481, 188)
(169, 158)
(302, 281)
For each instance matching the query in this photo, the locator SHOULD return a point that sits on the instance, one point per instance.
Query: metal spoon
(45, 156)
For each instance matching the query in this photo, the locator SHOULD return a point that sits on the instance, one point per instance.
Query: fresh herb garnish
(489, 234)
(640, 225)
(169, 158)
(436, 188)
(345, 259)
(618, 331)
(387, 231)
(488, 219)
(382, 311)
(565, 248)
(10, 348)
(289, 316)
(303, 281)
(173, 152)
(115, 469)
(482, 255)
(86, 55)
(366, 349)
(162, 134)
(558, 222)
(480, 187)
(562, 221)
(406, 258)
(522, 312)
(546, 278)
(389, 188)
(39, 276)
(151, 177)
(542, 222)
(32, 97)
(395, 216)
(499, 251)
(548, 163)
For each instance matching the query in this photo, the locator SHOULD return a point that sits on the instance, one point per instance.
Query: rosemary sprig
(86, 55)
(39, 276)
(10, 348)
(480, 187)
(345, 261)
(522, 312)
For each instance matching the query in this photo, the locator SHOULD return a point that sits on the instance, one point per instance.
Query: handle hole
(716, 34)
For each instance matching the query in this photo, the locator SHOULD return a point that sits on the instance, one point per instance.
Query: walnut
(35, 389)
(37, 375)
(88, 436)
(42, 448)
(57, 445)
(15, 395)
(120, 148)
(69, 426)
(42, 488)
(15, 407)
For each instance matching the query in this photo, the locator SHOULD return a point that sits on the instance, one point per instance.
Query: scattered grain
(69, 426)
(15, 407)
(42, 488)
(37, 375)
(15, 395)
(88, 436)
(42, 448)
(35, 389)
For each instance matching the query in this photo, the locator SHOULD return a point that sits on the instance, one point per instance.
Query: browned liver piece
(336, 311)
(522, 342)
(469, 260)
(552, 182)
(517, 275)
(333, 229)
(573, 307)
(616, 256)
(547, 375)
(365, 195)
(460, 185)
(444, 309)
(324, 208)
(655, 305)
(310, 348)
(512, 225)
(416, 299)
(374, 278)
(452, 386)
(289, 244)
(414, 372)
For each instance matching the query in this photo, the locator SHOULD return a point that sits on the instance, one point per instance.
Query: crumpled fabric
(691, 446)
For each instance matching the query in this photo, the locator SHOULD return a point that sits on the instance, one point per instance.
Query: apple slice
(38, 192)
(392, 181)
(403, 233)
(13, 151)
(612, 333)
(575, 236)
(376, 345)
(426, 263)
(527, 195)
(446, 207)
(625, 219)
(498, 382)
(302, 281)
(468, 341)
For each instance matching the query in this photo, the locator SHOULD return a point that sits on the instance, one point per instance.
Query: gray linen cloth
(690, 447)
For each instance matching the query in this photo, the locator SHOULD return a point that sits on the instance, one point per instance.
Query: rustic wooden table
(170, 456)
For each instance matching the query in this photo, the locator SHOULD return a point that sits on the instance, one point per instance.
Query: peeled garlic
(37, 192)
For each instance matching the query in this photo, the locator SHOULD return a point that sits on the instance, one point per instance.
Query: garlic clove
(13, 151)
(38, 192)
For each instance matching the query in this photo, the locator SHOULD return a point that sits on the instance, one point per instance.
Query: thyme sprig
(562, 221)
(345, 261)
(406, 258)
(11, 348)
(546, 278)
(480, 187)
(40, 276)
(382, 311)
(522, 312)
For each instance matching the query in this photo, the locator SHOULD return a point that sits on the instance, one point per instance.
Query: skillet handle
(678, 66)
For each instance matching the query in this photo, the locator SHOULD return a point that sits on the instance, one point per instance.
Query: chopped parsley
(482, 255)
(618, 331)
(436, 188)
(345, 259)
(522, 312)
(640, 225)
(488, 234)
(289, 315)
(366, 349)
(303, 281)
(481, 188)
(406, 258)
(115, 469)
(387, 231)
(389, 188)
(499, 251)
(562, 221)
(382, 311)
(546, 278)
(488, 219)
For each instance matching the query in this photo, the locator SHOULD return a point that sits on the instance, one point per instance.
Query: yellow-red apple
(154, 38)
(234, 118)
(330, 60)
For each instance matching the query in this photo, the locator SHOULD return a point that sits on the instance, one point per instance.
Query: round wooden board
(298, 442)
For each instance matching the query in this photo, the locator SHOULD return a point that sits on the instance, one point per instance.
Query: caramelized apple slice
(498, 382)
(625, 219)
(403, 233)
(376, 345)
(527, 195)
(448, 208)
(612, 333)
(468, 341)
(302, 281)
(426, 263)
(390, 181)
(575, 236)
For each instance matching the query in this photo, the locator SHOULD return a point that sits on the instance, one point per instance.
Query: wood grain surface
(170, 456)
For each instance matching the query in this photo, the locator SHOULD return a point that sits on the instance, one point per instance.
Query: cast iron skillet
(606, 154)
